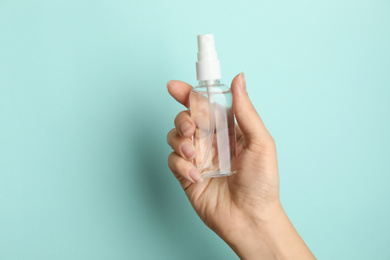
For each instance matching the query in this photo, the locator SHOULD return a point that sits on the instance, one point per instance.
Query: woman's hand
(243, 209)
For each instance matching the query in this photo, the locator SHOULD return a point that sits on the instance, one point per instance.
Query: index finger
(180, 91)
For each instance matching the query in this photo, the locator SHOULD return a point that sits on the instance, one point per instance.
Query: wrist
(270, 237)
(255, 239)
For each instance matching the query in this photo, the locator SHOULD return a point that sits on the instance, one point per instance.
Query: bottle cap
(208, 66)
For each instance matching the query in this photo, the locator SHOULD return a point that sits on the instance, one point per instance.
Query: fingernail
(185, 128)
(195, 175)
(242, 82)
(188, 151)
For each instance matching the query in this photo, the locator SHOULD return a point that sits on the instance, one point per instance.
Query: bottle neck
(203, 83)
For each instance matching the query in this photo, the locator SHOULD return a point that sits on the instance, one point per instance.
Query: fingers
(181, 145)
(178, 138)
(183, 170)
(185, 126)
(250, 123)
(179, 160)
(180, 91)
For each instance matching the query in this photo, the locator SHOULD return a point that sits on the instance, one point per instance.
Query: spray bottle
(211, 108)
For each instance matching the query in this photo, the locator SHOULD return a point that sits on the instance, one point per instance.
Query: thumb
(248, 120)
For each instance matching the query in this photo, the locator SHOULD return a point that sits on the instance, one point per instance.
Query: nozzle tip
(206, 42)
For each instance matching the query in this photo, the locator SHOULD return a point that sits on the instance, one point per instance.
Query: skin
(243, 209)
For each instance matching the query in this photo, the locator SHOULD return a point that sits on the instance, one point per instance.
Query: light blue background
(84, 114)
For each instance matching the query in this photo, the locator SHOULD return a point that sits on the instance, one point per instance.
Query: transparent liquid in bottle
(214, 139)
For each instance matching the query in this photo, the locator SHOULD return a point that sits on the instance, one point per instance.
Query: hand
(243, 209)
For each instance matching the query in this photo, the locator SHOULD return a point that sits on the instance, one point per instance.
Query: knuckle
(170, 135)
(176, 164)
(171, 160)
(181, 117)
(171, 164)
(264, 145)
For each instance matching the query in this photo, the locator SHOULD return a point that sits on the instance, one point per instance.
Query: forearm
(271, 238)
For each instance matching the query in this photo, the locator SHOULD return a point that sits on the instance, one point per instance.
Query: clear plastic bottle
(212, 112)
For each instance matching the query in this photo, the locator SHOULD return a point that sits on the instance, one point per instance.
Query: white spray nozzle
(208, 66)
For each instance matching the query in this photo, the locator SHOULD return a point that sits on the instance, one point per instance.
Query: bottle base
(216, 174)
